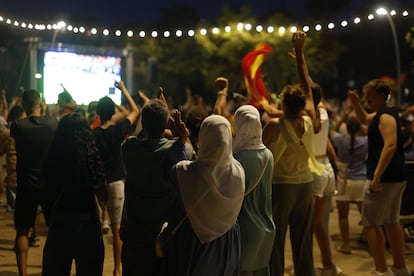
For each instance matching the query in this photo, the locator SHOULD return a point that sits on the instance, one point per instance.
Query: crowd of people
(201, 191)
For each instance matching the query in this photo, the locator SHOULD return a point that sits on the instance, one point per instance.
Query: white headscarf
(248, 129)
(212, 187)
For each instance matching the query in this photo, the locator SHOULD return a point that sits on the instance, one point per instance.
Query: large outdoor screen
(86, 77)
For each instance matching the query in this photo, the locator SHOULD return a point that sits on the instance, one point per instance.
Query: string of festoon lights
(241, 26)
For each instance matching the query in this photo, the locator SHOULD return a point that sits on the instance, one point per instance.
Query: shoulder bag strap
(259, 179)
(189, 210)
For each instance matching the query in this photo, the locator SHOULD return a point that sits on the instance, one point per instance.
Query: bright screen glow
(86, 77)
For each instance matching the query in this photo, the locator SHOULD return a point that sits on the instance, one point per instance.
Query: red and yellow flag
(251, 64)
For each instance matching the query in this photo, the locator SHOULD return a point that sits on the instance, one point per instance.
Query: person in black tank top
(385, 170)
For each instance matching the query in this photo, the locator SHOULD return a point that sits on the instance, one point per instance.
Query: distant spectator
(66, 104)
(15, 113)
(92, 115)
(194, 118)
(352, 149)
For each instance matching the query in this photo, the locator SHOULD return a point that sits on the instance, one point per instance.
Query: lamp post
(59, 27)
(33, 43)
(383, 11)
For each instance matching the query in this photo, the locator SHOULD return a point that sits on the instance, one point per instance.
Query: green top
(256, 223)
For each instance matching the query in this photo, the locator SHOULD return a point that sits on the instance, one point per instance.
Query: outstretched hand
(178, 127)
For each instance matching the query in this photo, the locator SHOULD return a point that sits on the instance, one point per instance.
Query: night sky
(121, 12)
(125, 11)
(129, 11)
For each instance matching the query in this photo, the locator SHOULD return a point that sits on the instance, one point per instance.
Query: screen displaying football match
(86, 77)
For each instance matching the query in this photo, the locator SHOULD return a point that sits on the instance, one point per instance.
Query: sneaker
(388, 272)
(34, 241)
(400, 271)
(332, 270)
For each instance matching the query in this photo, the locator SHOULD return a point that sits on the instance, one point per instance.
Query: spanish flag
(251, 64)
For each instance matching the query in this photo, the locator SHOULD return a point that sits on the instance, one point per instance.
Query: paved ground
(358, 263)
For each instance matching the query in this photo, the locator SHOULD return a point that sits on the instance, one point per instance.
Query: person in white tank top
(323, 187)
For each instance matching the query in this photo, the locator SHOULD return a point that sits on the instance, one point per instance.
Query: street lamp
(59, 26)
(383, 11)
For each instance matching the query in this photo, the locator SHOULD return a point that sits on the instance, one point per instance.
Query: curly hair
(74, 147)
(293, 99)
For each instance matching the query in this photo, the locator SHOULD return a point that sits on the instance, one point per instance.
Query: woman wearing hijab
(255, 219)
(211, 189)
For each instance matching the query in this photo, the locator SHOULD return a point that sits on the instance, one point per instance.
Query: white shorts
(324, 185)
(354, 191)
(115, 203)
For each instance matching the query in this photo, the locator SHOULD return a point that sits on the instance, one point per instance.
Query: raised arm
(298, 41)
(347, 109)
(271, 109)
(178, 127)
(408, 111)
(221, 101)
(189, 101)
(133, 115)
(362, 116)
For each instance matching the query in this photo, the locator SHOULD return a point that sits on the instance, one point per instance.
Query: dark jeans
(74, 237)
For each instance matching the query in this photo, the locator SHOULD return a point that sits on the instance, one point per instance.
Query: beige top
(294, 156)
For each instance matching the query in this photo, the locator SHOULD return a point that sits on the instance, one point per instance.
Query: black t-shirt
(108, 141)
(33, 136)
(149, 199)
(67, 189)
